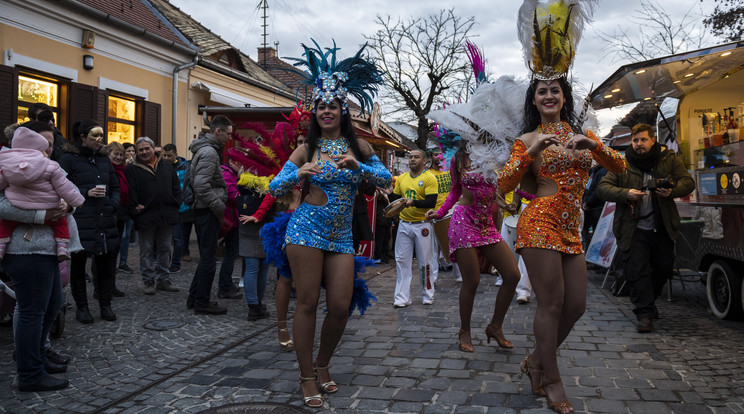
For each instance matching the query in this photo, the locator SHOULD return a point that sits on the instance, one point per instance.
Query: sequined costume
(327, 227)
(471, 225)
(552, 222)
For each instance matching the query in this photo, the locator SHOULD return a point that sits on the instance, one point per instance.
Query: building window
(36, 90)
(121, 119)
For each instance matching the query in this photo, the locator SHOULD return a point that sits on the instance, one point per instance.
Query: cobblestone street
(160, 358)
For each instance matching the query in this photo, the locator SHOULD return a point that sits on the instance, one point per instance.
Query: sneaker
(167, 286)
(83, 315)
(523, 300)
(428, 302)
(149, 289)
(256, 312)
(124, 268)
(212, 309)
(645, 325)
(230, 293)
(174, 269)
(186, 258)
(459, 279)
(499, 281)
(399, 305)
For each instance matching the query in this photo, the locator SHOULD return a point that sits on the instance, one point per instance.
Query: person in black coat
(154, 199)
(591, 204)
(94, 175)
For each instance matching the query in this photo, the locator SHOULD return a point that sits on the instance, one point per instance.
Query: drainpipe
(175, 94)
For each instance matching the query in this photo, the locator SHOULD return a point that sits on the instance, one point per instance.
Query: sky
(290, 22)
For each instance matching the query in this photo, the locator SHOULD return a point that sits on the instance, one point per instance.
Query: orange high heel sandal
(463, 346)
(526, 367)
(564, 407)
(498, 335)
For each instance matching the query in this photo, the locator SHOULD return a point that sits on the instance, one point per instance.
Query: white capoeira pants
(524, 288)
(410, 237)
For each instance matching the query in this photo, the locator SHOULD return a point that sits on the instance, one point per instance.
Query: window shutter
(151, 121)
(8, 94)
(83, 104)
(102, 110)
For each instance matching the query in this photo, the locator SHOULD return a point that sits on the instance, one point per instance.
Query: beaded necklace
(562, 129)
(334, 147)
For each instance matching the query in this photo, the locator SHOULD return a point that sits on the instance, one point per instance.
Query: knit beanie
(26, 138)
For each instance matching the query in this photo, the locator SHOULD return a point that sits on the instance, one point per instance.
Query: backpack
(187, 192)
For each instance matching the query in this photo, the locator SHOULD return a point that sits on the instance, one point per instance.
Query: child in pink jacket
(34, 182)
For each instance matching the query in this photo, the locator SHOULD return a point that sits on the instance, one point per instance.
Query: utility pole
(265, 7)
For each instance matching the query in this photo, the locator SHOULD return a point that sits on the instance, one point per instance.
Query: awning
(672, 76)
(226, 97)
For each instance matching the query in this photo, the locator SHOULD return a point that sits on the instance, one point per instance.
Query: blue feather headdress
(356, 76)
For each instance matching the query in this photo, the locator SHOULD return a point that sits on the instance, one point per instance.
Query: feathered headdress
(356, 76)
(549, 32)
(262, 157)
(300, 119)
(448, 143)
(490, 121)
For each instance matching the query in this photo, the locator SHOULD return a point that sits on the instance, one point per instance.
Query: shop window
(36, 90)
(121, 119)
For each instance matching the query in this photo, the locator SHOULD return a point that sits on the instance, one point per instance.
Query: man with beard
(646, 221)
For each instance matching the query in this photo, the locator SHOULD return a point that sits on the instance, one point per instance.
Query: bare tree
(424, 63)
(654, 33)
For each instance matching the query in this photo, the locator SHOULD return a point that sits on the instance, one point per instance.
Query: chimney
(265, 53)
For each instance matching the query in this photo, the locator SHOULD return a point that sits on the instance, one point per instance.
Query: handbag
(247, 201)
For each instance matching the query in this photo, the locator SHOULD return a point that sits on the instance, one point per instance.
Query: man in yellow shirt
(440, 246)
(419, 188)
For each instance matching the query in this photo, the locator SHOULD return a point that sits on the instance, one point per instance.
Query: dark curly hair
(532, 116)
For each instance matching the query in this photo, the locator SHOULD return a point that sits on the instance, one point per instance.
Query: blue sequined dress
(328, 227)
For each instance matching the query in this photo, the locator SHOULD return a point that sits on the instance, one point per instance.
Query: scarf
(644, 162)
(123, 185)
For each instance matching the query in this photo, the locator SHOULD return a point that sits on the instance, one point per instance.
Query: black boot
(83, 315)
(107, 313)
(255, 312)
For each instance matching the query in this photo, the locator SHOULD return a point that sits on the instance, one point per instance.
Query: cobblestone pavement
(160, 358)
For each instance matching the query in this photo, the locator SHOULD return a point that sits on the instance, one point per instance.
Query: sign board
(602, 248)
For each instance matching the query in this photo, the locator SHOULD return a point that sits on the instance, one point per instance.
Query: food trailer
(701, 99)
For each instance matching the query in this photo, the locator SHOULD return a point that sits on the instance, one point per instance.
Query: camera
(654, 183)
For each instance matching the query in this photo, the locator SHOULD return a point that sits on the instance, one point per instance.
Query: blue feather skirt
(272, 237)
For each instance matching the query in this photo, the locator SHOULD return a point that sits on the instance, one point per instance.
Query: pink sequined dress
(471, 225)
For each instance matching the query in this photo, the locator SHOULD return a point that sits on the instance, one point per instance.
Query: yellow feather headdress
(549, 32)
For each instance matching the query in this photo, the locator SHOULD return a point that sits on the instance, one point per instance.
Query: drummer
(440, 246)
(419, 188)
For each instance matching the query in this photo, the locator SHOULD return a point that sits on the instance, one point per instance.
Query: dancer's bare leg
(467, 260)
(282, 293)
(307, 271)
(545, 269)
(574, 302)
(339, 285)
(501, 257)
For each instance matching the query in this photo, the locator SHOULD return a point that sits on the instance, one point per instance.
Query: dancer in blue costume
(318, 241)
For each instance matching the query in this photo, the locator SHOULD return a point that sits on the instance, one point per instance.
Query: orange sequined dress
(553, 222)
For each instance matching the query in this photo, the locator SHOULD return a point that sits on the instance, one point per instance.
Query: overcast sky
(292, 22)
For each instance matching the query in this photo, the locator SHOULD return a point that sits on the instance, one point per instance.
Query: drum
(509, 229)
(394, 208)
